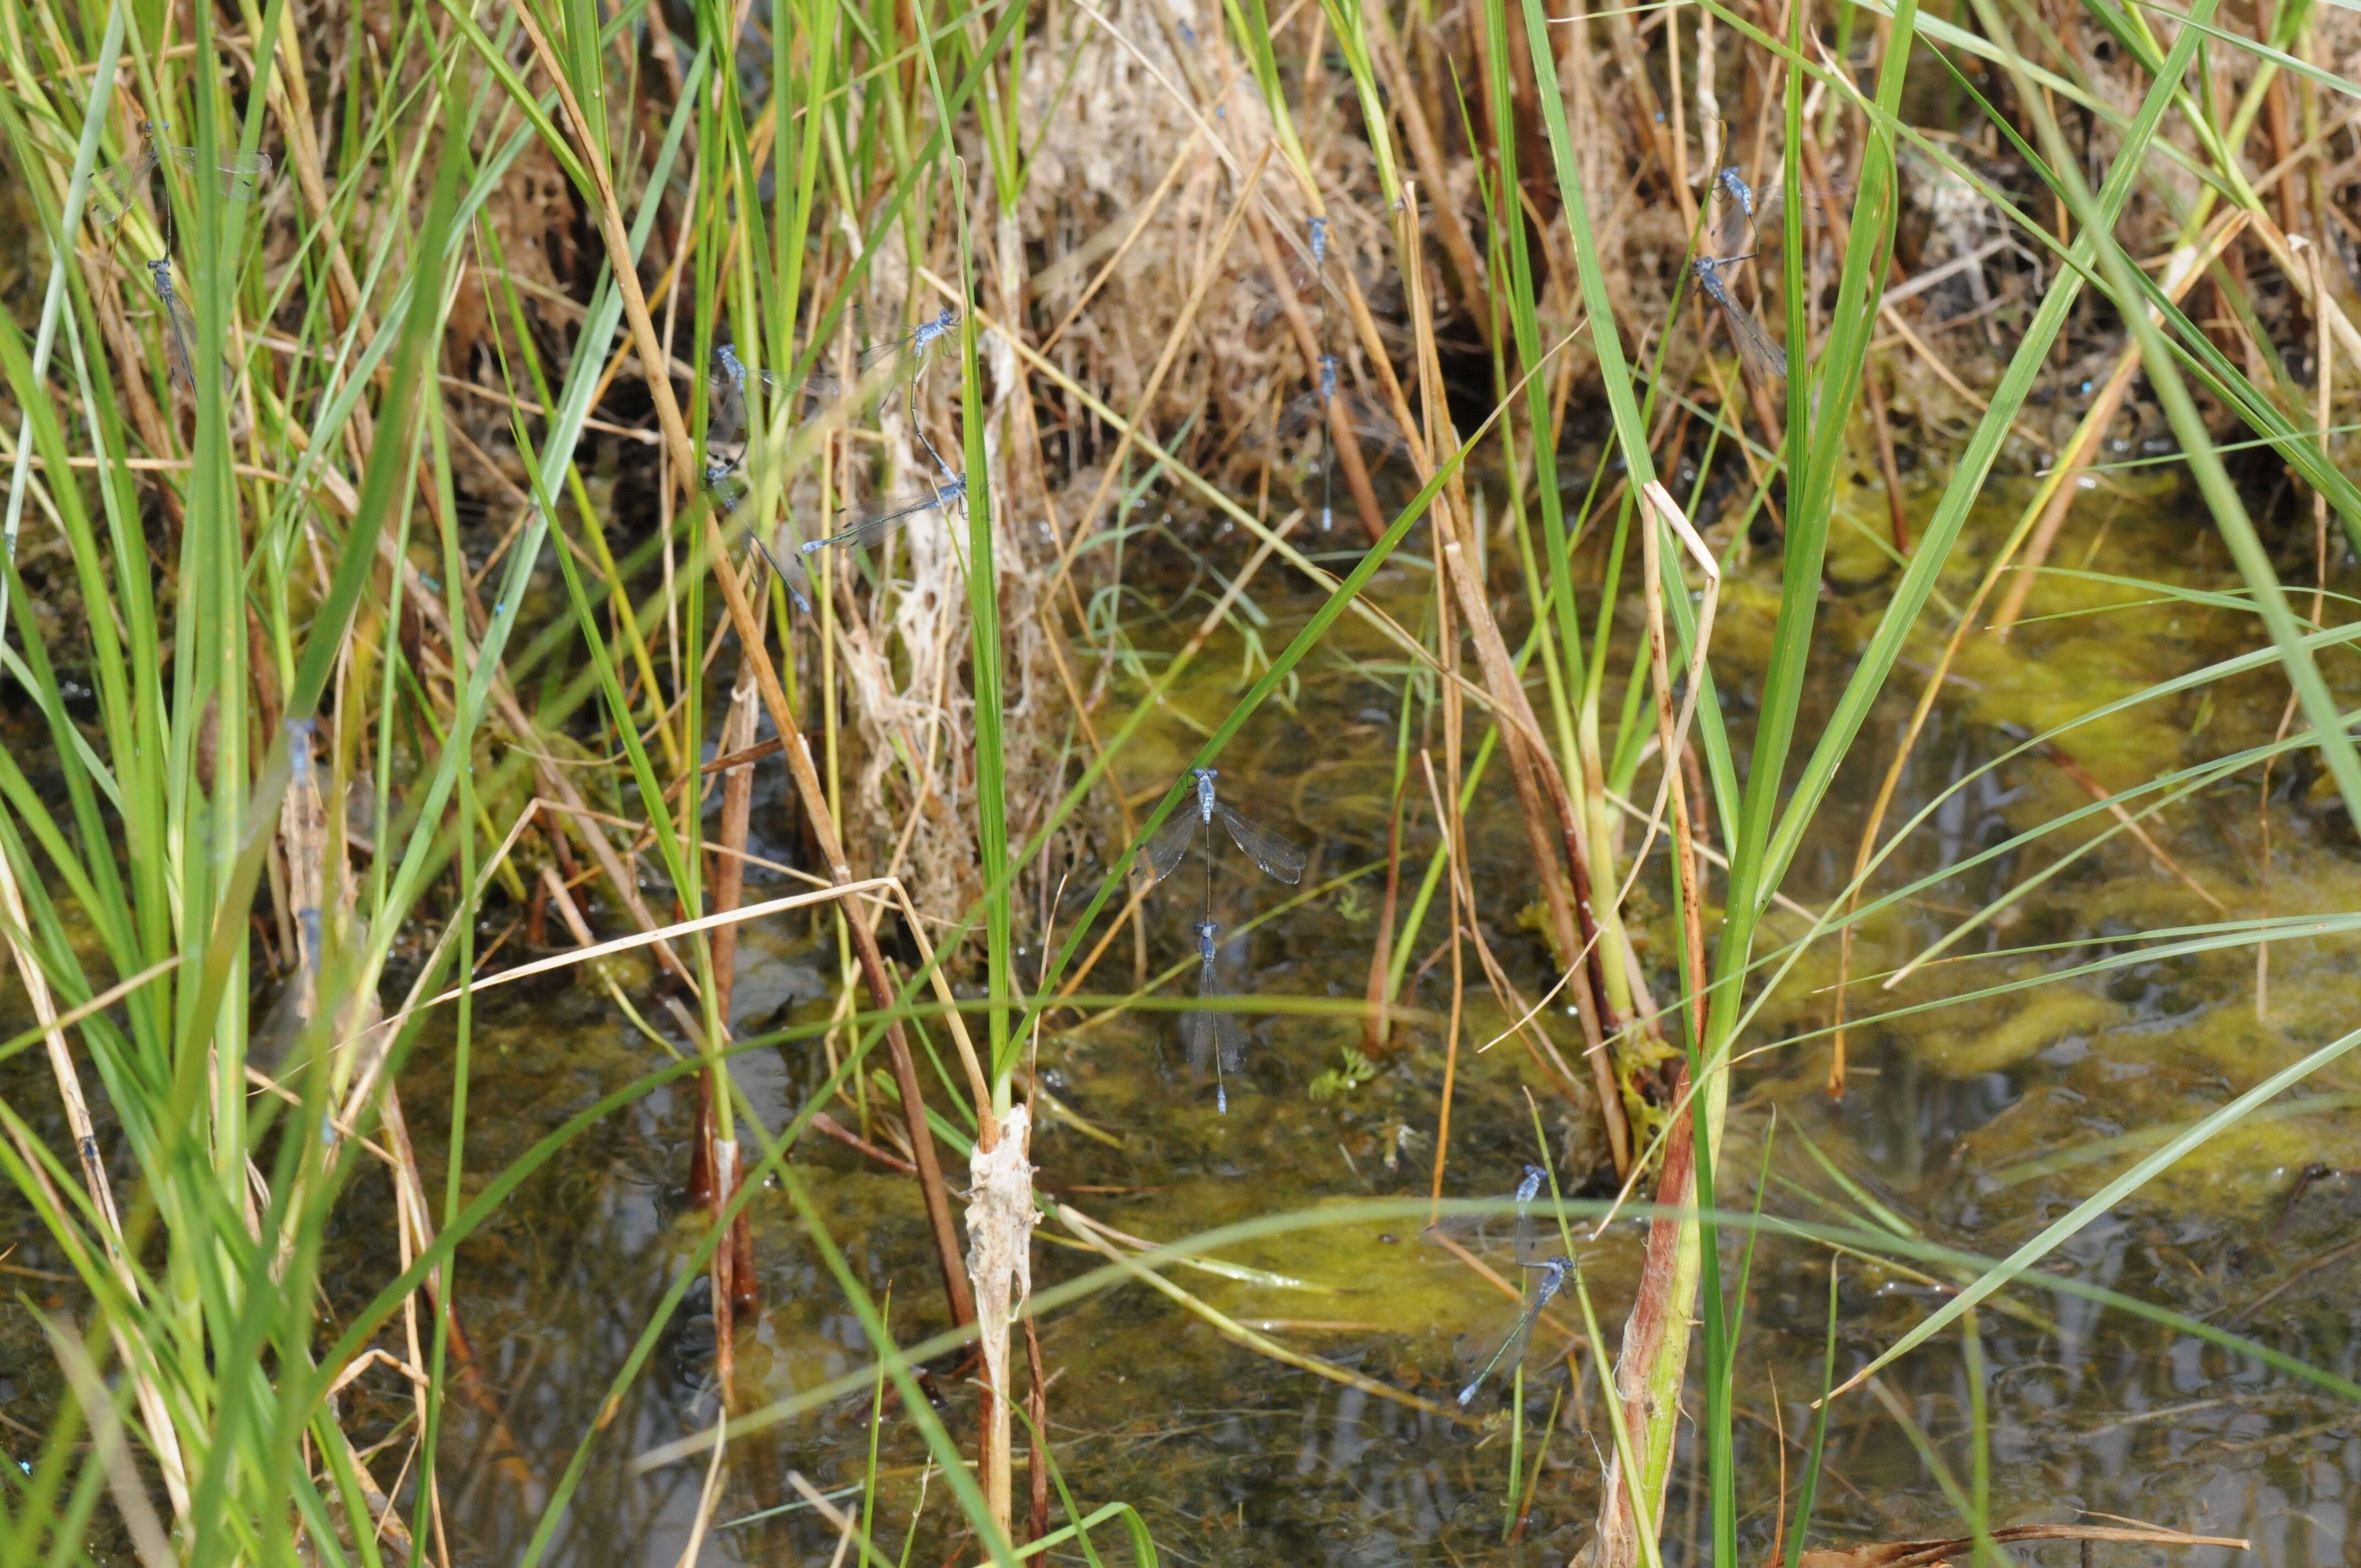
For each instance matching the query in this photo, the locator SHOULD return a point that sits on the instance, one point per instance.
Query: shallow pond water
(1972, 1126)
(1964, 1124)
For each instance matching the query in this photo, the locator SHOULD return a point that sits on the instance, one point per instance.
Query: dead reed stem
(1461, 911)
(1559, 854)
(1375, 1031)
(1000, 1219)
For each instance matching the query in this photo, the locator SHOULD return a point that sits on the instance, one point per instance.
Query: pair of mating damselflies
(1213, 1037)
(1550, 1276)
(727, 428)
(1756, 345)
(237, 176)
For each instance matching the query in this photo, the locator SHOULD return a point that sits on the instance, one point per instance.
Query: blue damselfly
(1552, 1275)
(1754, 344)
(1214, 1038)
(1266, 848)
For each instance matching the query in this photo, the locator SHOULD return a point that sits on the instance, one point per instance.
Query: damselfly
(1307, 269)
(878, 521)
(1463, 1230)
(1552, 1274)
(1735, 229)
(792, 575)
(725, 416)
(728, 417)
(180, 329)
(1304, 279)
(1754, 344)
(238, 176)
(1266, 848)
(1327, 398)
(916, 342)
(1214, 1038)
(1316, 414)
(1740, 191)
(725, 427)
(882, 519)
(1376, 429)
(1319, 228)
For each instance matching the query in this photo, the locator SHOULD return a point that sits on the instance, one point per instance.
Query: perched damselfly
(1754, 344)
(1376, 429)
(1319, 233)
(180, 329)
(879, 521)
(885, 516)
(1215, 1039)
(1740, 191)
(1552, 1274)
(916, 342)
(792, 575)
(238, 176)
(1463, 1230)
(1266, 848)
(727, 419)
(1735, 229)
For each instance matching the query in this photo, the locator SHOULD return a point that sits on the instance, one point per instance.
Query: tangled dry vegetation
(1139, 120)
(1117, 329)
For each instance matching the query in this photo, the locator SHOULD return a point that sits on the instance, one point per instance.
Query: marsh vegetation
(909, 783)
